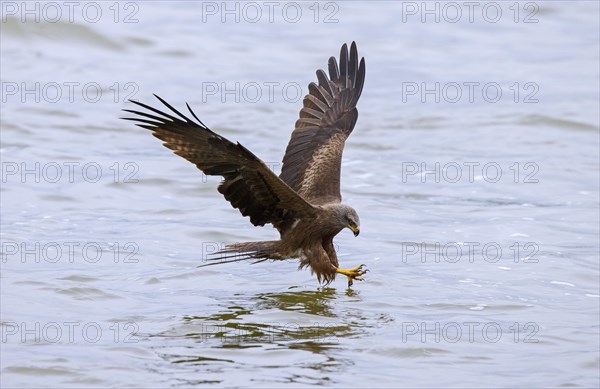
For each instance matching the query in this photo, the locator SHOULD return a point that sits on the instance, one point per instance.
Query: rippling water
(479, 210)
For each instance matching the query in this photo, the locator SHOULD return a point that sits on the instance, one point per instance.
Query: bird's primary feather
(312, 161)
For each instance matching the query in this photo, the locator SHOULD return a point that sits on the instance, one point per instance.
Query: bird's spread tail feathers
(261, 251)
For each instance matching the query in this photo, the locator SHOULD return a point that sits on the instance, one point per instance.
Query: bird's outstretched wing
(249, 185)
(312, 161)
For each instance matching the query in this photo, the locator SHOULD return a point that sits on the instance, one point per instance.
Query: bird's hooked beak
(355, 230)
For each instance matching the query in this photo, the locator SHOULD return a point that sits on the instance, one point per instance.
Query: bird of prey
(304, 202)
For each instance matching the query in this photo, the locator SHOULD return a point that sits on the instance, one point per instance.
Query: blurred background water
(474, 168)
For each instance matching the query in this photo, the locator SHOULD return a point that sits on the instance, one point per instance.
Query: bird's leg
(353, 274)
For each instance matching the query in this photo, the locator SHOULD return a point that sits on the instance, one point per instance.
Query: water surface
(479, 216)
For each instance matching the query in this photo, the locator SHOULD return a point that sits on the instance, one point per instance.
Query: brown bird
(304, 202)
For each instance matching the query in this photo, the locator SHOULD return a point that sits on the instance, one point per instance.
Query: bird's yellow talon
(353, 274)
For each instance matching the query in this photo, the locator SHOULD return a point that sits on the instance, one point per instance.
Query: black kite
(304, 202)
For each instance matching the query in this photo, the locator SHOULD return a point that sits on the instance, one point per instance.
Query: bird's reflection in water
(294, 320)
(310, 302)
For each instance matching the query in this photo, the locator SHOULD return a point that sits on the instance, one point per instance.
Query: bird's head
(348, 218)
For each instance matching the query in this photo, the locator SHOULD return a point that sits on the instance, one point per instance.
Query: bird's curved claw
(353, 274)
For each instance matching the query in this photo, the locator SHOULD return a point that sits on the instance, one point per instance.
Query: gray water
(479, 211)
